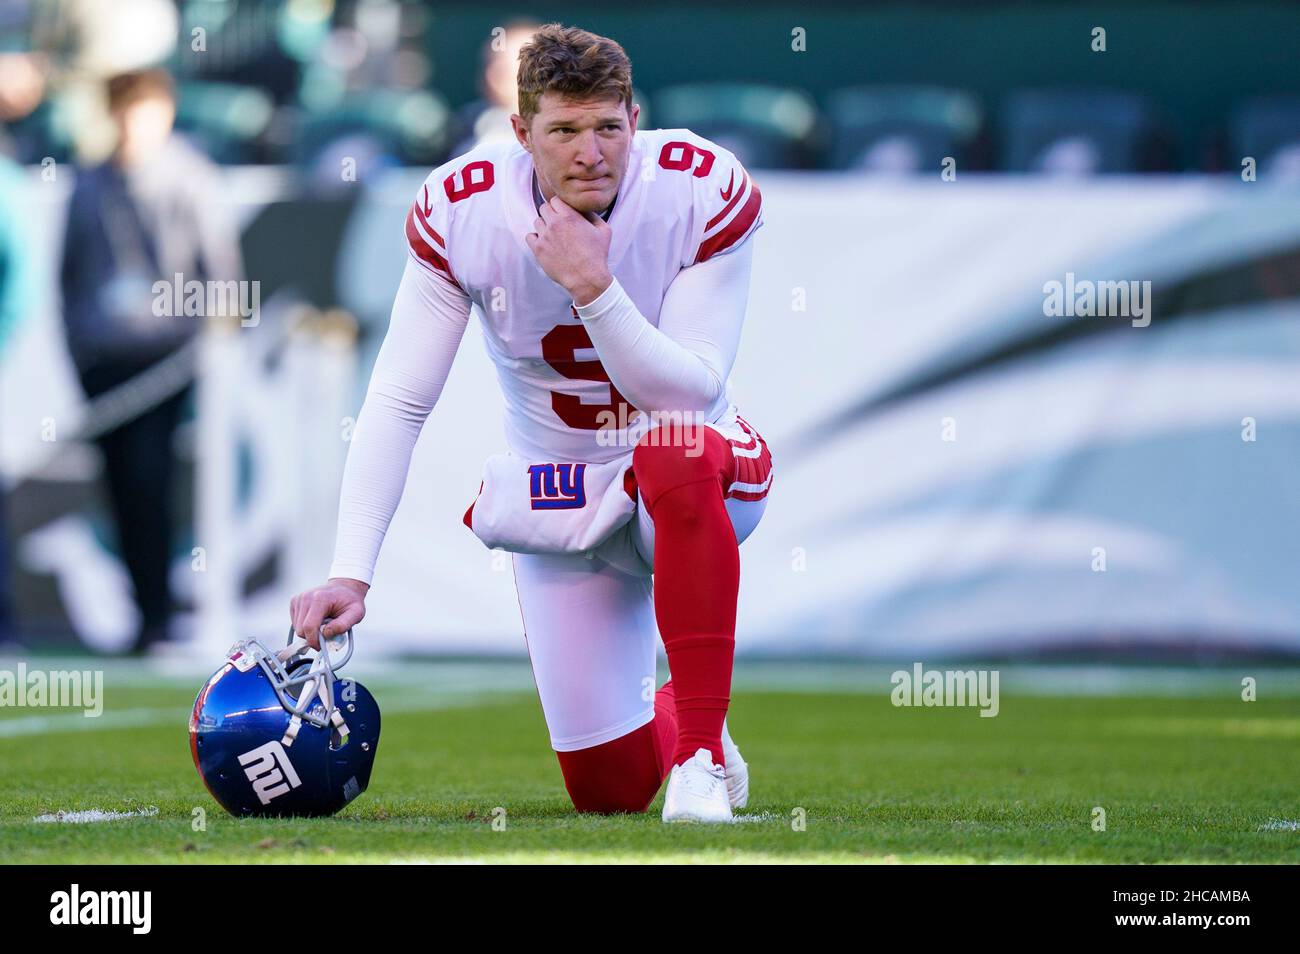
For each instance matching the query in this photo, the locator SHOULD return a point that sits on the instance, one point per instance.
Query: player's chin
(590, 196)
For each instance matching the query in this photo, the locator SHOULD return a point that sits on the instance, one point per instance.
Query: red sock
(621, 775)
(665, 728)
(696, 578)
(624, 774)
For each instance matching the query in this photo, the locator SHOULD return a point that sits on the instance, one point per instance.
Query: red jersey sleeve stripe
(429, 230)
(423, 250)
(736, 230)
(726, 209)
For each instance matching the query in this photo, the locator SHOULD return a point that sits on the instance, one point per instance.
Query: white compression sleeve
(428, 321)
(683, 364)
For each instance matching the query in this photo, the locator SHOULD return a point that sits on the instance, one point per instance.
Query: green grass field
(1194, 778)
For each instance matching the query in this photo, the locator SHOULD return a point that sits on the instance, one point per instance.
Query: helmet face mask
(278, 733)
(298, 679)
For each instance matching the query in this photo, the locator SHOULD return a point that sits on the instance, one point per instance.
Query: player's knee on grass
(622, 775)
(673, 455)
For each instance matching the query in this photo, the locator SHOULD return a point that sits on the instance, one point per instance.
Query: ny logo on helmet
(269, 769)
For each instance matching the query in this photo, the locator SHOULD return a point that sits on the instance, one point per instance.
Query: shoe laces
(702, 778)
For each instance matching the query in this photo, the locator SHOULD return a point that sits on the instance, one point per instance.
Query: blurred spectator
(244, 43)
(487, 119)
(22, 73)
(152, 213)
(72, 47)
(22, 84)
(15, 291)
(363, 96)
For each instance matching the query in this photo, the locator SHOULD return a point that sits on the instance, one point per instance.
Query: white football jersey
(682, 201)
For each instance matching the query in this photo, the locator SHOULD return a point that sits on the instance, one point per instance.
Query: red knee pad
(675, 454)
(622, 775)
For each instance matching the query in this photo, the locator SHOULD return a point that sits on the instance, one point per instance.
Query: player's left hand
(573, 249)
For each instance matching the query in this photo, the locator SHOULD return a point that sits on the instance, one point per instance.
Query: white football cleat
(697, 791)
(737, 771)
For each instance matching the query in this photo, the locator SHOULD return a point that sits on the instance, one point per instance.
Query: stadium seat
(1268, 129)
(411, 127)
(227, 120)
(1078, 132)
(261, 43)
(902, 128)
(766, 126)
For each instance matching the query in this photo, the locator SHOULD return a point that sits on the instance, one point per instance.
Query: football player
(609, 267)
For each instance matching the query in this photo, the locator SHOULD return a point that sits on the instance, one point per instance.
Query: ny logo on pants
(557, 486)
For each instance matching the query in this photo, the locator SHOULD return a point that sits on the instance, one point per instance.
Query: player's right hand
(342, 601)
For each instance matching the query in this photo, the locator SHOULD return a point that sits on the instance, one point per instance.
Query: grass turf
(1180, 779)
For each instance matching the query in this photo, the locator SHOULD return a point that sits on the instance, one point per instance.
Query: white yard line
(77, 722)
(93, 815)
(1279, 824)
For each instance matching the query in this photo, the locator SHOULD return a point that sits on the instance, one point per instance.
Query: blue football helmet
(269, 738)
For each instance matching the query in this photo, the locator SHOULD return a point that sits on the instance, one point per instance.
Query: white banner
(1005, 414)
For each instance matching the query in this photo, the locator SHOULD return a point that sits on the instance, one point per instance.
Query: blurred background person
(15, 296)
(363, 101)
(152, 213)
(487, 119)
(22, 85)
(55, 56)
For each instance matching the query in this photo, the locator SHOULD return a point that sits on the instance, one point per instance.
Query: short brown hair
(125, 89)
(573, 62)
